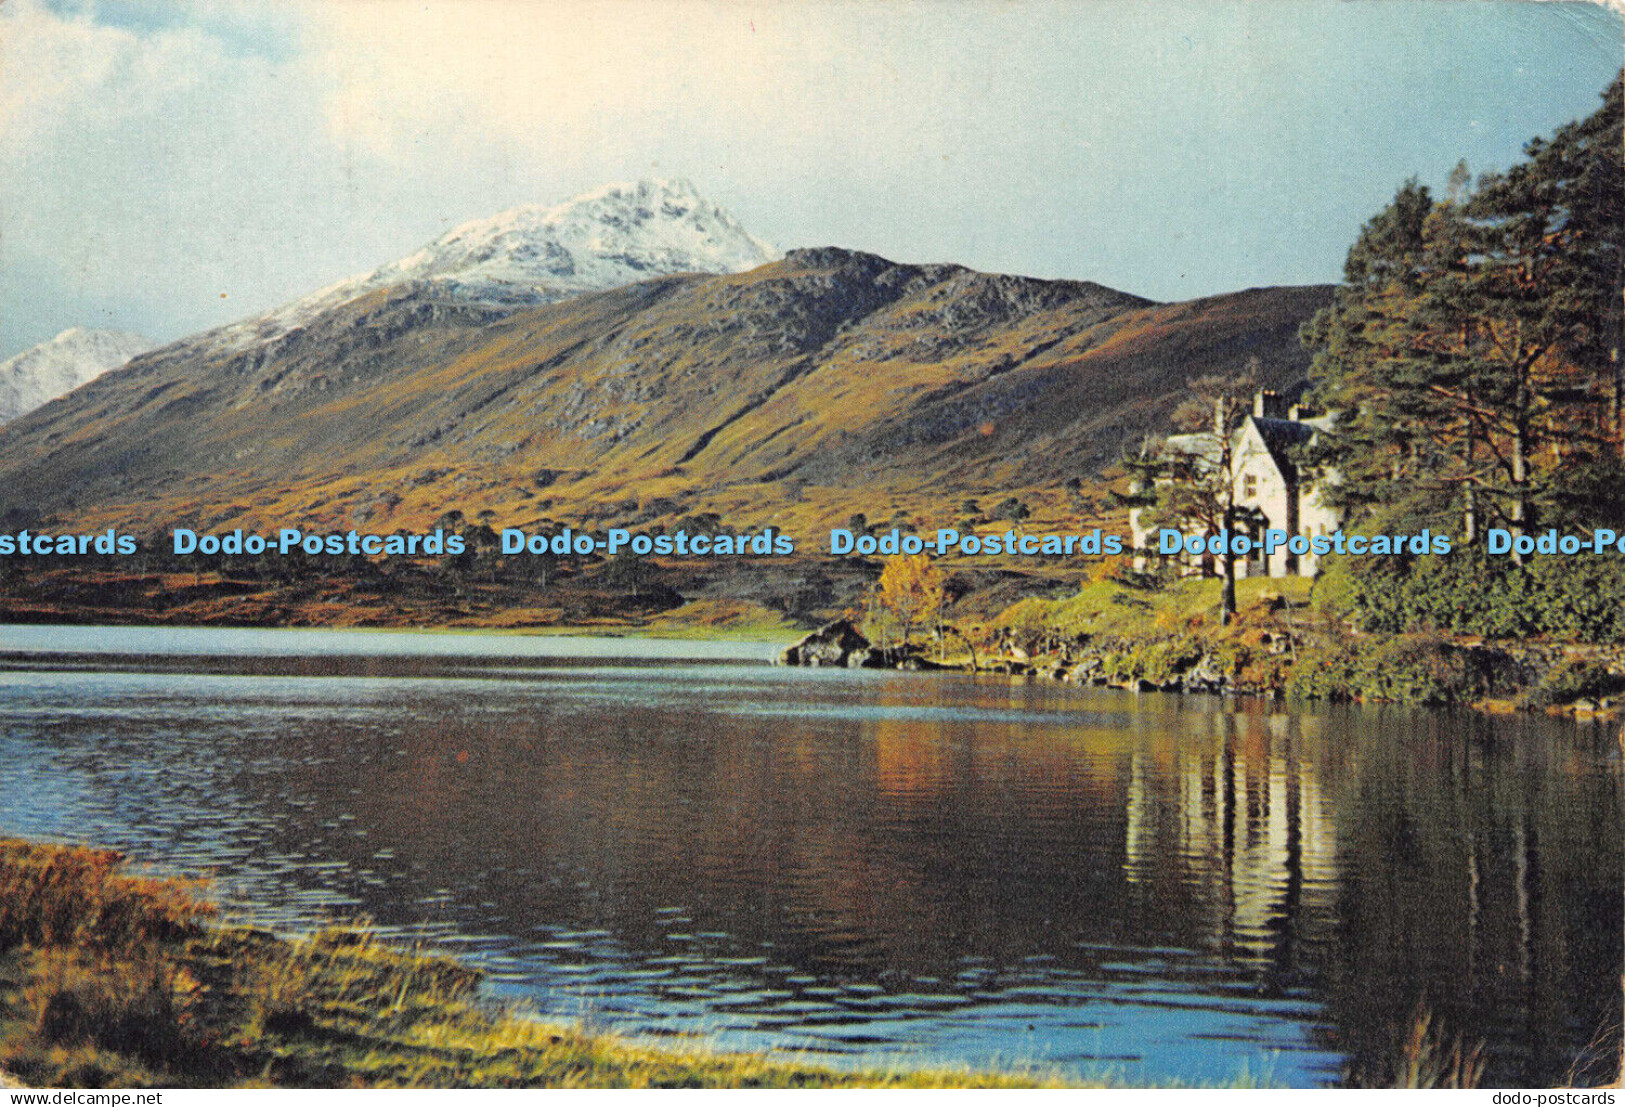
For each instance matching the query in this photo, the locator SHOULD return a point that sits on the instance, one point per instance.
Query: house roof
(1203, 445)
(1280, 436)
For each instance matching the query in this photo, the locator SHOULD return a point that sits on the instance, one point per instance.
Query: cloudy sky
(169, 166)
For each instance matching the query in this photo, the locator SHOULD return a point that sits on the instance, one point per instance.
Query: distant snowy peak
(36, 377)
(615, 235)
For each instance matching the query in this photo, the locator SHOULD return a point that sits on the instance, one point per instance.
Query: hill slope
(685, 393)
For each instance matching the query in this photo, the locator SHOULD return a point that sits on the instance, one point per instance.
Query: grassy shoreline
(1283, 644)
(109, 979)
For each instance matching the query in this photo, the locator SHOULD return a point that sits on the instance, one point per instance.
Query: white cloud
(162, 162)
(549, 73)
(159, 154)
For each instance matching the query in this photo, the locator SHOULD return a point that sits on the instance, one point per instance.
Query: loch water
(862, 868)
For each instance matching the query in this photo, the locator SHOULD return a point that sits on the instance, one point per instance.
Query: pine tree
(1473, 349)
(1373, 364)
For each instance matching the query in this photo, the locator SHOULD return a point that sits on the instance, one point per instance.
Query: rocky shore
(1276, 661)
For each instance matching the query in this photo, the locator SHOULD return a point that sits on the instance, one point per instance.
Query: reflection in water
(902, 866)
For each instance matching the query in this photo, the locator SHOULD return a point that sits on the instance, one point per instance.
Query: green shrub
(1163, 661)
(1578, 598)
(1011, 510)
(1408, 668)
(1323, 673)
(1573, 679)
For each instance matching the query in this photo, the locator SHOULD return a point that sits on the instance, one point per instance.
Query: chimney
(1267, 404)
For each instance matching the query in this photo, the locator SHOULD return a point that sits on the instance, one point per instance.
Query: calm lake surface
(913, 869)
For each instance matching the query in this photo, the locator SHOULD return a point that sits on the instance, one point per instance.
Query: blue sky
(168, 167)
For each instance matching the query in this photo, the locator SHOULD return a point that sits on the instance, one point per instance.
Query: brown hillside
(828, 369)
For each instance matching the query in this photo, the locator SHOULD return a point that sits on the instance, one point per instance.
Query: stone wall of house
(1261, 487)
(1264, 490)
(1315, 517)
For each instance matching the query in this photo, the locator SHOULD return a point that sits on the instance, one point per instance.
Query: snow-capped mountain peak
(615, 235)
(39, 375)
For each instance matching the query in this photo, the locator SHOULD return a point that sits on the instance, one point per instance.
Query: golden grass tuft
(112, 980)
(1424, 1056)
(74, 896)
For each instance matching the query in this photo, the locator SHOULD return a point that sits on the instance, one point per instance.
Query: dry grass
(1425, 1056)
(110, 980)
(56, 896)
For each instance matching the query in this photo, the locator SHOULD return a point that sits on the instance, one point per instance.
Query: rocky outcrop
(832, 644)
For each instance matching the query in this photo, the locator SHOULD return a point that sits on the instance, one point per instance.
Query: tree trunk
(1520, 451)
(1520, 477)
(1228, 600)
(1520, 474)
(1222, 417)
(1525, 402)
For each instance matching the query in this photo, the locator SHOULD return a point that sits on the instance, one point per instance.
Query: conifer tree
(1473, 349)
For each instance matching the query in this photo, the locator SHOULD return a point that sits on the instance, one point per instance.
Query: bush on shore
(1579, 598)
(1293, 637)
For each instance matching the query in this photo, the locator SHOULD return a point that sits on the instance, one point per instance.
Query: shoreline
(114, 980)
(1266, 654)
(1278, 646)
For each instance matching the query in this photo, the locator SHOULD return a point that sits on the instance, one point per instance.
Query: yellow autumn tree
(911, 588)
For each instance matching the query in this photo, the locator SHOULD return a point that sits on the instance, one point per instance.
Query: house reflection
(1238, 813)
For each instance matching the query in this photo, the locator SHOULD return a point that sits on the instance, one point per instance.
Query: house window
(1249, 486)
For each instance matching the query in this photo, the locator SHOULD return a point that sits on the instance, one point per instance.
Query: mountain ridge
(825, 369)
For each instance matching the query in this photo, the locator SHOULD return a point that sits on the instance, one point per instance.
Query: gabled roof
(1283, 436)
(1280, 437)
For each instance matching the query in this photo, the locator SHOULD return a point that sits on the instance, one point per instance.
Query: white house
(1270, 492)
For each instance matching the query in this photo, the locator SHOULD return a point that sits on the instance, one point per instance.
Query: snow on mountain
(36, 377)
(614, 235)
